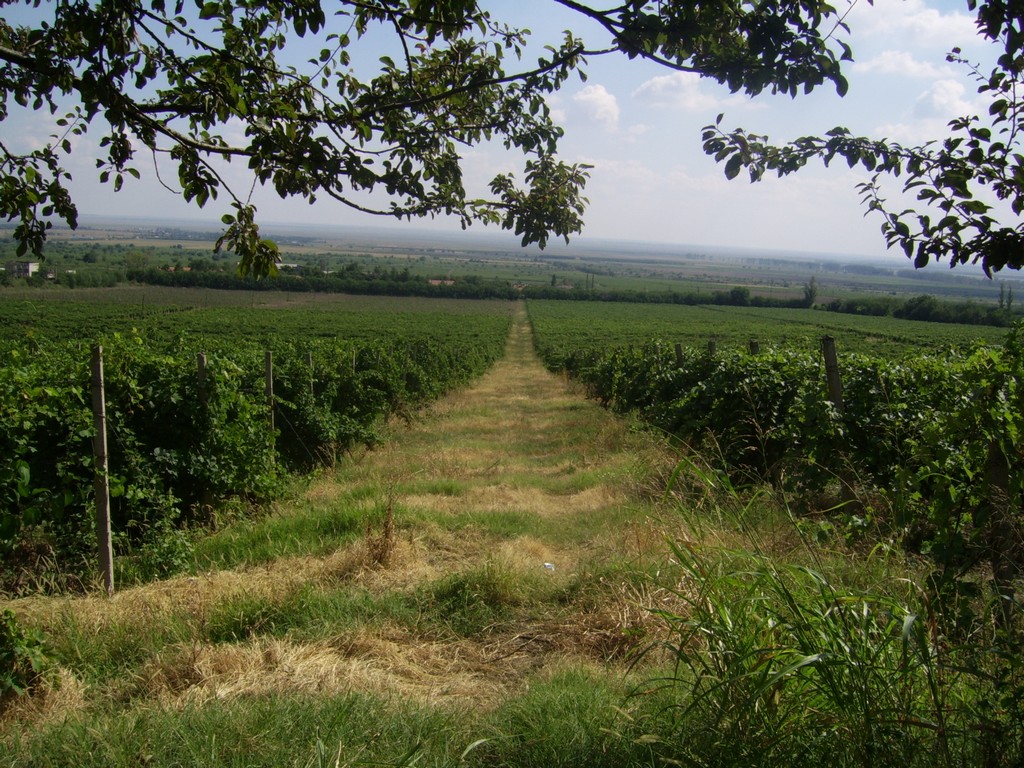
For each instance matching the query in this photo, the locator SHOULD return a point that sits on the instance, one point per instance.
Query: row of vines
(926, 449)
(179, 449)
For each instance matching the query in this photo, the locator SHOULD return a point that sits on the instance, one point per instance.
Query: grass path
(522, 514)
(511, 499)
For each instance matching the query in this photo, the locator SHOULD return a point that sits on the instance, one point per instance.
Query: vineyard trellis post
(755, 347)
(204, 395)
(269, 377)
(832, 375)
(712, 347)
(102, 478)
(834, 383)
(205, 496)
(1001, 534)
(679, 355)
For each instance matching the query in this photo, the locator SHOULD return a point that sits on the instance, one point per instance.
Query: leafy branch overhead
(969, 186)
(300, 93)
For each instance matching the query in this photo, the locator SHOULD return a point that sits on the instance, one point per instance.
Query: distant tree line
(738, 296)
(353, 279)
(930, 309)
(927, 308)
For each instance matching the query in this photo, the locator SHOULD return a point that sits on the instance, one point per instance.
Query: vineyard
(184, 443)
(565, 327)
(927, 425)
(923, 446)
(165, 314)
(781, 571)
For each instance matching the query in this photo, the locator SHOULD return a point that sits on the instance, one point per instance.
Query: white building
(22, 268)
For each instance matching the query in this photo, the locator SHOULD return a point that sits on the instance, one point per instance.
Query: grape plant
(180, 446)
(925, 446)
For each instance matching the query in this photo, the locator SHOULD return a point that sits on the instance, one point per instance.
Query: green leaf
(732, 168)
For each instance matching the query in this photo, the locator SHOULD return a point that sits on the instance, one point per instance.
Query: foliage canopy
(969, 186)
(298, 91)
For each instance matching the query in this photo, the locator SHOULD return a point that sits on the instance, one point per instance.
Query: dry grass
(389, 662)
(58, 696)
(516, 442)
(504, 498)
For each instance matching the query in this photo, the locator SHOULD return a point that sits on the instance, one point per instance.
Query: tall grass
(779, 662)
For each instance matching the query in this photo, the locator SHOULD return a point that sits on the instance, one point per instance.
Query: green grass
(762, 645)
(473, 601)
(306, 614)
(573, 717)
(786, 655)
(271, 731)
(314, 531)
(114, 649)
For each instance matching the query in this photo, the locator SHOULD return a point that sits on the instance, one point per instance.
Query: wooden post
(712, 347)
(309, 364)
(102, 478)
(679, 355)
(204, 395)
(269, 370)
(832, 377)
(755, 347)
(847, 478)
(1001, 534)
(205, 497)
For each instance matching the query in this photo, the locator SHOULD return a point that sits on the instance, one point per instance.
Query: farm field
(207, 406)
(886, 407)
(603, 266)
(504, 580)
(166, 313)
(610, 325)
(419, 638)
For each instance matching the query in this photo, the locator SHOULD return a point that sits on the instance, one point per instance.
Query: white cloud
(693, 203)
(901, 63)
(911, 22)
(599, 105)
(928, 119)
(945, 99)
(911, 133)
(557, 107)
(681, 90)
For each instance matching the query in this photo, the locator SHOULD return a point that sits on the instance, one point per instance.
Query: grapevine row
(178, 449)
(928, 447)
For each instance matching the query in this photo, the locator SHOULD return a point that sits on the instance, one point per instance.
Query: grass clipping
(388, 662)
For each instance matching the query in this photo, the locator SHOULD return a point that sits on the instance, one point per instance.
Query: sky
(640, 127)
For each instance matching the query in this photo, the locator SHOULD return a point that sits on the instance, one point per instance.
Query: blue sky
(640, 125)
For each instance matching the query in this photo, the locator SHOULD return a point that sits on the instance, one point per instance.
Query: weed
(781, 663)
(22, 656)
(472, 602)
(380, 547)
(572, 718)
